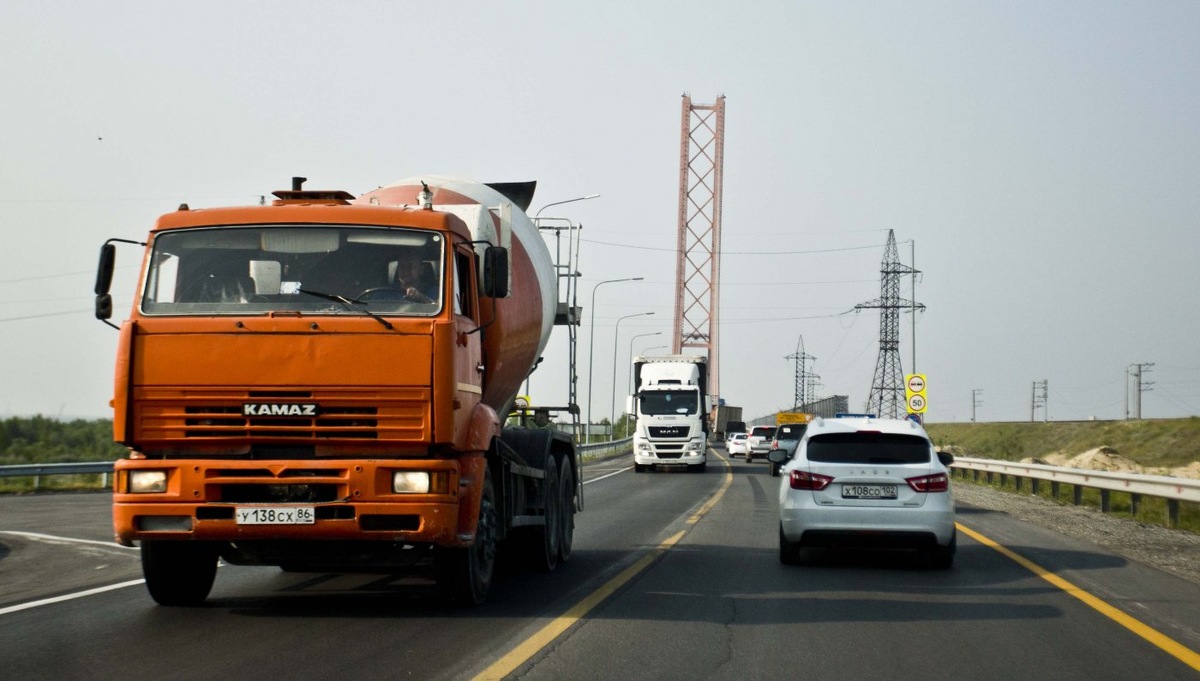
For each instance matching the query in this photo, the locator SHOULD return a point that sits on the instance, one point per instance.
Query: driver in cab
(413, 278)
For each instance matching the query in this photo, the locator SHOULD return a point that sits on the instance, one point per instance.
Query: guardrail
(596, 450)
(1137, 485)
(37, 470)
(105, 468)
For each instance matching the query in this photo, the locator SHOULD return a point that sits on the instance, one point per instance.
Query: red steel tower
(698, 264)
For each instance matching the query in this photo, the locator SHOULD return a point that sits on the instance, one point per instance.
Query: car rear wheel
(942, 557)
(789, 551)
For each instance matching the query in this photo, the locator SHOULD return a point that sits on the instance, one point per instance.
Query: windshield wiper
(349, 303)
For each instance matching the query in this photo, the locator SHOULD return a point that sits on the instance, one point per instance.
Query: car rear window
(764, 431)
(790, 432)
(877, 448)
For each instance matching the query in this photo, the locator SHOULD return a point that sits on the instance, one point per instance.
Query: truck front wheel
(179, 573)
(464, 575)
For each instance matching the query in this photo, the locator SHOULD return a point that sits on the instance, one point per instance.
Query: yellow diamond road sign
(914, 393)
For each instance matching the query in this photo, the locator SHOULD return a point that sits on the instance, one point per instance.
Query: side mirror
(104, 275)
(779, 456)
(945, 458)
(630, 404)
(495, 272)
(104, 307)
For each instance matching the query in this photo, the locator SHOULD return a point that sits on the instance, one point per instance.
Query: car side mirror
(946, 458)
(777, 456)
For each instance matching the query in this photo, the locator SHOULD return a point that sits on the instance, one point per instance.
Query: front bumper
(350, 500)
(667, 453)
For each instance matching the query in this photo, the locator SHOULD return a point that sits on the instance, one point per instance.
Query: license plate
(868, 491)
(266, 515)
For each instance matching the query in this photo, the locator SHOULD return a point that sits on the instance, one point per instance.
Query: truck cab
(671, 407)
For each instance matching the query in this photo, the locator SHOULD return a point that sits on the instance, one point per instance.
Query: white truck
(671, 405)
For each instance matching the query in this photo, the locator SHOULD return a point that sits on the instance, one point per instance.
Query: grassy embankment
(1169, 443)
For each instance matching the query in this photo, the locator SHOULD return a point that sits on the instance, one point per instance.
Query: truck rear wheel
(464, 575)
(566, 521)
(179, 573)
(545, 540)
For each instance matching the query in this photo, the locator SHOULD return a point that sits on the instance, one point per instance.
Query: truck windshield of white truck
(664, 402)
(259, 269)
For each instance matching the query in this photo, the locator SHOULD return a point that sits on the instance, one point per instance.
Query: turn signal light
(930, 483)
(813, 481)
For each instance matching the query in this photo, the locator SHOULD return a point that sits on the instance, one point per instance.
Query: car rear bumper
(868, 526)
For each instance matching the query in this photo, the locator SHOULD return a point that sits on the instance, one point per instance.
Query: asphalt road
(674, 576)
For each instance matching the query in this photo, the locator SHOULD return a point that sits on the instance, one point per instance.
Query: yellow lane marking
(535, 643)
(1170, 646)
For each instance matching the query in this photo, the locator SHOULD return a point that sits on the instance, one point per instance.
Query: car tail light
(930, 483)
(806, 480)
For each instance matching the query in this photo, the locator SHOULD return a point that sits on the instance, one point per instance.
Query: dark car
(787, 436)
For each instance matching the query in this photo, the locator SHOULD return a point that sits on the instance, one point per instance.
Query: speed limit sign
(916, 404)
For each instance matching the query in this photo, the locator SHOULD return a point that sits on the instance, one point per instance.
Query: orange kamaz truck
(322, 383)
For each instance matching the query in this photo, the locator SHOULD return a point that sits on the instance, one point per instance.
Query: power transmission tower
(1040, 400)
(1141, 387)
(804, 382)
(698, 254)
(887, 388)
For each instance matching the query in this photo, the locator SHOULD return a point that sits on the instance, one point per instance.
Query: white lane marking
(67, 540)
(617, 472)
(68, 597)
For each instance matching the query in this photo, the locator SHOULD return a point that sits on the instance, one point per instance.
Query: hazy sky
(1043, 156)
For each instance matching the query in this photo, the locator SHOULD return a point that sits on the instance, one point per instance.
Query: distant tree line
(39, 439)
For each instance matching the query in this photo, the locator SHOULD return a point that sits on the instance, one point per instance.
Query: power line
(672, 250)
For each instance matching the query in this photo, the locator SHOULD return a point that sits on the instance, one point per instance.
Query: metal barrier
(37, 470)
(105, 468)
(598, 450)
(1137, 485)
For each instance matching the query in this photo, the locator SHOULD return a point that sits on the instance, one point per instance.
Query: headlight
(410, 482)
(644, 446)
(147, 482)
(695, 446)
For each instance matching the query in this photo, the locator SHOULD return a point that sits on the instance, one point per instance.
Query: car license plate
(868, 491)
(267, 515)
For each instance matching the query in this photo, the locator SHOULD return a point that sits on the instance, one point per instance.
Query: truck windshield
(257, 269)
(664, 402)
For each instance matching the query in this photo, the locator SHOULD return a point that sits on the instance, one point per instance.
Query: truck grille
(394, 415)
(669, 431)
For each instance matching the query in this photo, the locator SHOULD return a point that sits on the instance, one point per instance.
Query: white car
(865, 482)
(737, 444)
(759, 442)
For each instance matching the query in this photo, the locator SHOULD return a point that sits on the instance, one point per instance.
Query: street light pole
(559, 203)
(612, 412)
(629, 390)
(591, 349)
